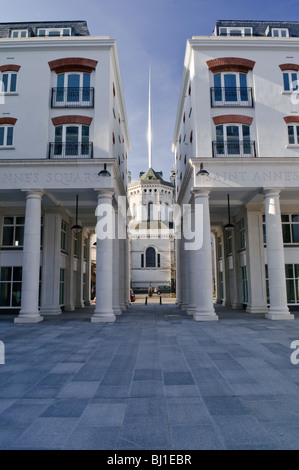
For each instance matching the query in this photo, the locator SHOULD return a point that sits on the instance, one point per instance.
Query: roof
(151, 176)
(259, 28)
(79, 28)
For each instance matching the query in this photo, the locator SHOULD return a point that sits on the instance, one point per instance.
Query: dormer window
(19, 33)
(54, 32)
(243, 31)
(280, 33)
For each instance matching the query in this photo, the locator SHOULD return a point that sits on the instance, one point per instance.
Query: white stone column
(185, 275)
(122, 274)
(69, 285)
(178, 282)
(86, 293)
(275, 257)
(127, 272)
(29, 312)
(104, 262)
(204, 310)
(116, 269)
(79, 273)
(192, 278)
(257, 302)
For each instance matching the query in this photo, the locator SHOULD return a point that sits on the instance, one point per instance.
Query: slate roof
(79, 28)
(259, 28)
(150, 175)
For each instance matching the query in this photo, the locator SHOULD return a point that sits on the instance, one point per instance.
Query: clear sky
(150, 31)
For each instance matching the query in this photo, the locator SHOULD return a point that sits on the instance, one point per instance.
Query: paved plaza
(155, 380)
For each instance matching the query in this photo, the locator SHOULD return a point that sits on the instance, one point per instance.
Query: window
(229, 242)
(150, 257)
(142, 260)
(72, 141)
(54, 32)
(267, 284)
(280, 33)
(242, 239)
(233, 140)
(230, 89)
(10, 286)
(63, 236)
(244, 284)
(19, 33)
(290, 228)
(13, 231)
(61, 286)
(76, 245)
(292, 282)
(293, 134)
(73, 90)
(6, 136)
(290, 81)
(9, 82)
(85, 249)
(242, 31)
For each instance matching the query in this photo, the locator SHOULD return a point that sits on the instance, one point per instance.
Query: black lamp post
(228, 226)
(76, 227)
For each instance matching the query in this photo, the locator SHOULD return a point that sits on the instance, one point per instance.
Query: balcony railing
(70, 150)
(234, 148)
(231, 97)
(72, 97)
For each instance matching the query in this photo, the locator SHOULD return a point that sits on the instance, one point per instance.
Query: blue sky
(152, 31)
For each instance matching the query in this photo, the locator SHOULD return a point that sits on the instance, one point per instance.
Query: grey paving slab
(154, 380)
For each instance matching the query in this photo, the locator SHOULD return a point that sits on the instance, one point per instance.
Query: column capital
(105, 193)
(36, 193)
(271, 192)
(197, 192)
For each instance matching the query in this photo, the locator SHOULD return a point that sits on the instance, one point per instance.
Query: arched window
(150, 257)
(150, 211)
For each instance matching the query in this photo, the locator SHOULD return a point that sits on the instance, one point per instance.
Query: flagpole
(149, 134)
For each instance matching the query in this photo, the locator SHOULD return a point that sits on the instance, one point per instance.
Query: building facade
(64, 146)
(236, 149)
(151, 232)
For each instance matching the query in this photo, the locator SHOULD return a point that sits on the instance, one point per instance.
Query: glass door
(71, 140)
(73, 88)
(230, 84)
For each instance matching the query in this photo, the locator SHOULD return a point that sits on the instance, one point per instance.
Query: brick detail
(289, 67)
(291, 119)
(232, 119)
(60, 120)
(230, 64)
(73, 64)
(8, 120)
(9, 68)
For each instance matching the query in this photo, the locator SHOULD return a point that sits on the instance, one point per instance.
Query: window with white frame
(290, 228)
(73, 89)
(244, 284)
(6, 136)
(19, 33)
(231, 89)
(13, 231)
(233, 140)
(293, 134)
(292, 283)
(290, 80)
(63, 236)
(10, 286)
(280, 33)
(72, 140)
(242, 236)
(54, 32)
(9, 82)
(234, 31)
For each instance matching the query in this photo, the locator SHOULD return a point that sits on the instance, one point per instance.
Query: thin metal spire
(149, 132)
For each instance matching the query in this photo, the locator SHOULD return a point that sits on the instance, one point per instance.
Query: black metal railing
(231, 97)
(72, 97)
(234, 148)
(70, 150)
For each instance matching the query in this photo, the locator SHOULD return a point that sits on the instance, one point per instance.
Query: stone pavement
(153, 380)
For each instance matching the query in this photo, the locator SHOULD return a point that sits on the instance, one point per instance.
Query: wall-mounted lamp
(228, 226)
(104, 172)
(76, 227)
(202, 171)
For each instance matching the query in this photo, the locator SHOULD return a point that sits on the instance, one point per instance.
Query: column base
(201, 316)
(184, 306)
(103, 317)
(279, 316)
(191, 309)
(28, 319)
(256, 309)
(117, 311)
(123, 307)
(52, 311)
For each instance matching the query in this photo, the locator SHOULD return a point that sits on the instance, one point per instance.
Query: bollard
(160, 300)
(145, 300)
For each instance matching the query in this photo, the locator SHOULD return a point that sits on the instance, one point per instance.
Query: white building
(151, 231)
(62, 123)
(238, 113)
